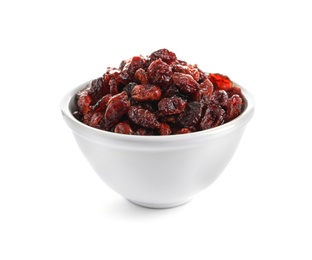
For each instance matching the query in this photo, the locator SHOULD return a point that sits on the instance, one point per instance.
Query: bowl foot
(159, 205)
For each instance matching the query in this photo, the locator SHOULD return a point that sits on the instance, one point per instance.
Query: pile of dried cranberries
(158, 95)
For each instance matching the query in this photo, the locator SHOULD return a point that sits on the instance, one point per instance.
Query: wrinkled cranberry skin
(219, 97)
(117, 106)
(90, 95)
(187, 69)
(146, 92)
(234, 107)
(132, 65)
(165, 55)
(143, 117)
(159, 73)
(171, 106)
(96, 119)
(185, 82)
(101, 105)
(140, 76)
(96, 90)
(213, 116)
(191, 114)
(83, 102)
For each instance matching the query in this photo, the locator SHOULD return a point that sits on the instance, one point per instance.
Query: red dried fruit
(171, 106)
(132, 65)
(117, 106)
(84, 102)
(204, 92)
(96, 90)
(220, 81)
(86, 117)
(143, 117)
(164, 129)
(101, 105)
(146, 92)
(96, 119)
(123, 128)
(90, 95)
(159, 73)
(164, 54)
(141, 76)
(219, 97)
(172, 90)
(191, 114)
(234, 107)
(213, 116)
(186, 69)
(206, 84)
(185, 82)
(113, 87)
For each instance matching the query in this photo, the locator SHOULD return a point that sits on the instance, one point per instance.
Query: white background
(52, 204)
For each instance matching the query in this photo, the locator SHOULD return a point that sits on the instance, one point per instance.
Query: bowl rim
(239, 121)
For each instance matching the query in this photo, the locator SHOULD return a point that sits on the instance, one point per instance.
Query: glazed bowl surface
(158, 171)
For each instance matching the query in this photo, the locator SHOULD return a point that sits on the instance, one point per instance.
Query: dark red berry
(185, 82)
(171, 106)
(142, 117)
(146, 92)
(159, 73)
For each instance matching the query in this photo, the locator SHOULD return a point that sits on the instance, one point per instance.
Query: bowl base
(159, 205)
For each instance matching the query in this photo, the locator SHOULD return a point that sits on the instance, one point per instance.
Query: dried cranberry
(185, 82)
(171, 106)
(113, 87)
(219, 97)
(102, 103)
(220, 81)
(143, 117)
(186, 69)
(213, 116)
(164, 129)
(117, 106)
(191, 114)
(141, 76)
(132, 65)
(159, 73)
(234, 107)
(172, 90)
(146, 92)
(83, 102)
(96, 119)
(204, 92)
(96, 90)
(164, 54)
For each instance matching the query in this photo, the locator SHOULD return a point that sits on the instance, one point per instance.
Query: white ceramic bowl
(158, 171)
